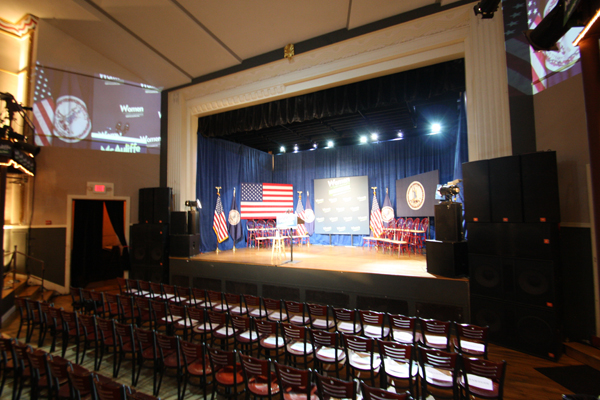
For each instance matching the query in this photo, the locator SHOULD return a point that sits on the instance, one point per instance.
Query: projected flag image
(266, 200)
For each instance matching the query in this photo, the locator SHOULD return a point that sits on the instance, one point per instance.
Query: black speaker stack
(512, 213)
(447, 255)
(149, 239)
(185, 233)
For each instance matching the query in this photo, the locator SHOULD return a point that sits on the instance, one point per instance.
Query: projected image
(342, 205)
(101, 113)
(551, 67)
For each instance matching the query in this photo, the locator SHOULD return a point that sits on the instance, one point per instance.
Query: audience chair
(71, 330)
(88, 303)
(403, 329)
(197, 365)
(480, 378)
(227, 374)
(334, 388)
(162, 320)
(182, 325)
(400, 367)
(259, 377)
(255, 306)
(148, 352)
(145, 290)
(275, 310)
(222, 332)
(373, 324)
(330, 356)
(55, 325)
(100, 308)
(112, 304)
(435, 334)
(132, 287)
(471, 340)
(234, 304)
(59, 373)
(108, 341)
(298, 347)
(361, 360)
(144, 310)
(127, 348)
(90, 335)
(271, 343)
(128, 311)
(438, 372)
(184, 295)
(373, 393)
(199, 298)
(169, 293)
(24, 372)
(346, 321)
(8, 361)
(170, 359)
(320, 317)
(199, 324)
(246, 338)
(215, 301)
(21, 306)
(295, 384)
(297, 313)
(35, 319)
(110, 390)
(76, 298)
(45, 309)
(81, 381)
(40, 373)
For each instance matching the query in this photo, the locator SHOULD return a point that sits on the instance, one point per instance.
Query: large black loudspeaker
(476, 191)
(539, 174)
(533, 330)
(179, 223)
(184, 245)
(447, 259)
(149, 244)
(448, 218)
(505, 189)
(193, 222)
(155, 205)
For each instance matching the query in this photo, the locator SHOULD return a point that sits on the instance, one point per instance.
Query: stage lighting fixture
(374, 137)
(330, 143)
(282, 149)
(486, 8)
(401, 134)
(295, 147)
(315, 145)
(436, 128)
(28, 148)
(549, 30)
(193, 204)
(363, 139)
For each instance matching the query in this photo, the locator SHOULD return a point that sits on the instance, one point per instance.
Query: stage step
(585, 353)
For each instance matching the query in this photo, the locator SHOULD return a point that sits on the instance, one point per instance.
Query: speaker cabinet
(447, 259)
(476, 191)
(193, 222)
(505, 189)
(149, 244)
(155, 205)
(532, 330)
(490, 275)
(448, 222)
(184, 245)
(146, 206)
(149, 273)
(539, 175)
(179, 223)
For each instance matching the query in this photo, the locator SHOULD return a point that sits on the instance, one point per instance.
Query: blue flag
(309, 217)
(387, 211)
(235, 225)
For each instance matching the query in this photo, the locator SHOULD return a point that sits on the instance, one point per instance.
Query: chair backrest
(220, 358)
(55, 315)
(215, 298)
(373, 324)
(256, 367)
(346, 321)
(294, 379)
(7, 352)
(80, 379)
(59, 368)
(125, 334)
(440, 330)
(89, 325)
(255, 306)
(156, 288)
(374, 393)
(167, 345)
(70, 320)
(146, 339)
(321, 338)
(439, 359)
(234, 303)
(397, 351)
(197, 315)
(192, 351)
(266, 328)
(275, 309)
(403, 328)
(472, 340)
(199, 296)
(487, 369)
(38, 361)
(106, 329)
(21, 305)
(110, 390)
(335, 388)
(241, 323)
(297, 312)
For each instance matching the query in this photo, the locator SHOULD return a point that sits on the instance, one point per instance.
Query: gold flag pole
(230, 222)
(218, 194)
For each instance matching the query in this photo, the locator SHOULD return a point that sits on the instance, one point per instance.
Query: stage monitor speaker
(179, 224)
(447, 259)
(193, 219)
(539, 175)
(184, 245)
(162, 205)
(529, 329)
(505, 189)
(149, 244)
(146, 206)
(476, 191)
(448, 222)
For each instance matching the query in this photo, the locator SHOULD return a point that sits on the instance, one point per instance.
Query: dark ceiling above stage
(407, 102)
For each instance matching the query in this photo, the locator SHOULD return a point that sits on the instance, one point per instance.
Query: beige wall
(560, 125)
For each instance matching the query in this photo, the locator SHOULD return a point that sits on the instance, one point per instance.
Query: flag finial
(218, 188)
(374, 190)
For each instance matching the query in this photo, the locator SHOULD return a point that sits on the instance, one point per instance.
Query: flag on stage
(300, 213)
(266, 200)
(309, 217)
(376, 222)
(219, 224)
(387, 212)
(235, 226)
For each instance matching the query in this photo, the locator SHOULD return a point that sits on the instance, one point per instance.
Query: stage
(354, 277)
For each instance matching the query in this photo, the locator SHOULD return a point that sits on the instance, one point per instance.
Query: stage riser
(428, 297)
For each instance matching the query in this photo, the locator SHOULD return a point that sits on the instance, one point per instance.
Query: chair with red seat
(260, 379)
(198, 298)
(234, 304)
(35, 319)
(110, 390)
(40, 373)
(346, 321)
(471, 340)
(275, 310)
(61, 387)
(90, 334)
(298, 346)
(8, 360)
(330, 356)
(373, 324)
(215, 301)
(255, 305)
(112, 304)
(227, 373)
(271, 343)
(182, 324)
(127, 348)
(170, 359)
(400, 368)
(438, 372)
(222, 331)
(246, 337)
(295, 383)
(81, 381)
(71, 330)
(297, 312)
(403, 328)
(480, 378)
(21, 307)
(373, 393)
(197, 365)
(320, 317)
(435, 333)
(199, 323)
(148, 352)
(100, 307)
(23, 369)
(55, 325)
(107, 341)
(335, 388)
(128, 311)
(361, 360)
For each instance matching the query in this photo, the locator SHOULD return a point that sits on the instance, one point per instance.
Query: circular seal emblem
(387, 214)
(71, 119)
(234, 217)
(415, 195)
(309, 216)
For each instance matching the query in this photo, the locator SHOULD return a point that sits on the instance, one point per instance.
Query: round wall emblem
(71, 119)
(309, 216)
(234, 217)
(415, 195)
(387, 214)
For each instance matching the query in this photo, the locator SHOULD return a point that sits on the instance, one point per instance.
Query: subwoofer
(149, 244)
(448, 222)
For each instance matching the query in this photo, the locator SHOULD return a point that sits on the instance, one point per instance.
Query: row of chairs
(56, 377)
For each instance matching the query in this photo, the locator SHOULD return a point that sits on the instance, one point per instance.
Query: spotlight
(330, 143)
(192, 204)
(374, 136)
(486, 8)
(315, 145)
(363, 139)
(282, 149)
(401, 134)
(295, 147)
(28, 148)
(436, 128)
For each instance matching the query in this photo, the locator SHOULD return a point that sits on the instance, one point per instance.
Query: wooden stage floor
(327, 258)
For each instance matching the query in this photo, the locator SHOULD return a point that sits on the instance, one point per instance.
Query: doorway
(99, 249)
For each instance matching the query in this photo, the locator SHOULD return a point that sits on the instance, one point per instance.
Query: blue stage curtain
(226, 164)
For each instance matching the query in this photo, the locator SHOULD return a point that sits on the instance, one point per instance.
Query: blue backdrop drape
(226, 164)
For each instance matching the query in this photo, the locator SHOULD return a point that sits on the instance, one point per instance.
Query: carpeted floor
(579, 379)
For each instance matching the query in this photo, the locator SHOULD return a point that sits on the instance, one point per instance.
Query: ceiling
(168, 43)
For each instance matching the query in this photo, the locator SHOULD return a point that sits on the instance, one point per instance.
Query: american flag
(219, 223)
(300, 213)
(376, 222)
(266, 200)
(43, 109)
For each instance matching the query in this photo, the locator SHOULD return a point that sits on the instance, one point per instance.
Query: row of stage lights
(435, 129)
